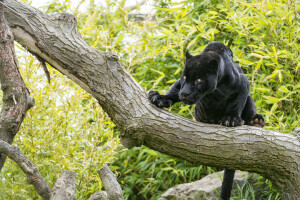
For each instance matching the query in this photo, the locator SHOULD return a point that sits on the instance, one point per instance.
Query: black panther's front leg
(234, 109)
(250, 116)
(167, 100)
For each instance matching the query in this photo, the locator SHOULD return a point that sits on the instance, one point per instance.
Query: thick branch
(56, 39)
(33, 175)
(64, 188)
(16, 99)
(110, 183)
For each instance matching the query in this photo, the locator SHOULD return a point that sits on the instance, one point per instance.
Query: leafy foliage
(68, 130)
(65, 130)
(146, 174)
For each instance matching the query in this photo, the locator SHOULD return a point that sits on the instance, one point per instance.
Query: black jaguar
(220, 90)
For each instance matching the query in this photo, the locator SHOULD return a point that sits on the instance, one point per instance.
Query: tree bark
(16, 99)
(272, 154)
(64, 188)
(110, 183)
(101, 195)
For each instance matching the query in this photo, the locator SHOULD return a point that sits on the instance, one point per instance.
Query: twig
(43, 63)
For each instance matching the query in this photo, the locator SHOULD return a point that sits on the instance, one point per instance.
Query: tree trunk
(16, 99)
(56, 39)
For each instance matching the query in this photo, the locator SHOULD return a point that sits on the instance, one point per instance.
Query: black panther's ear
(213, 66)
(188, 55)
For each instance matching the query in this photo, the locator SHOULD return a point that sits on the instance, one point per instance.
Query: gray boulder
(204, 189)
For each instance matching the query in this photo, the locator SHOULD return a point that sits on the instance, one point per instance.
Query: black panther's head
(199, 76)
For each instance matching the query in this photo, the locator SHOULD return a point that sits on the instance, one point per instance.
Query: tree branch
(100, 195)
(33, 175)
(274, 155)
(110, 183)
(16, 99)
(64, 188)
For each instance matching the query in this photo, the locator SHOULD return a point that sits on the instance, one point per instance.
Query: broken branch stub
(110, 183)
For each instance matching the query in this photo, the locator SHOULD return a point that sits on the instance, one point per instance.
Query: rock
(204, 189)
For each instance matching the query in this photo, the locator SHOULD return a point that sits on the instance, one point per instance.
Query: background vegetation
(67, 130)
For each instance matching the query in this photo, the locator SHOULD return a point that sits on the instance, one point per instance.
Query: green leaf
(177, 71)
(271, 100)
(119, 38)
(171, 81)
(192, 42)
(283, 89)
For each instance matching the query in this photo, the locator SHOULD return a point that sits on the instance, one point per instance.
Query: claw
(257, 120)
(233, 124)
(227, 123)
(231, 121)
(154, 98)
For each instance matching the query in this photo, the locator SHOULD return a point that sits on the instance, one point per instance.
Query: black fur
(220, 90)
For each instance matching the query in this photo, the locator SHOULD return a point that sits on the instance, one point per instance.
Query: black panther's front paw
(159, 100)
(231, 121)
(257, 120)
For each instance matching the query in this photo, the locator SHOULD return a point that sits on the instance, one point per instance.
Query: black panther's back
(219, 48)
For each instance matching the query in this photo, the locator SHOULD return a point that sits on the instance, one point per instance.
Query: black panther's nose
(184, 95)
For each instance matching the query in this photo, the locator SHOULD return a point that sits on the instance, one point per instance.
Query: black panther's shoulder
(218, 48)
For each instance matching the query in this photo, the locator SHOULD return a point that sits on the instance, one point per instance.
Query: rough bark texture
(16, 99)
(33, 175)
(56, 39)
(101, 195)
(64, 188)
(110, 183)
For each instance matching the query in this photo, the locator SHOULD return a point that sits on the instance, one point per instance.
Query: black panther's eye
(184, 77)
(198, 81)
